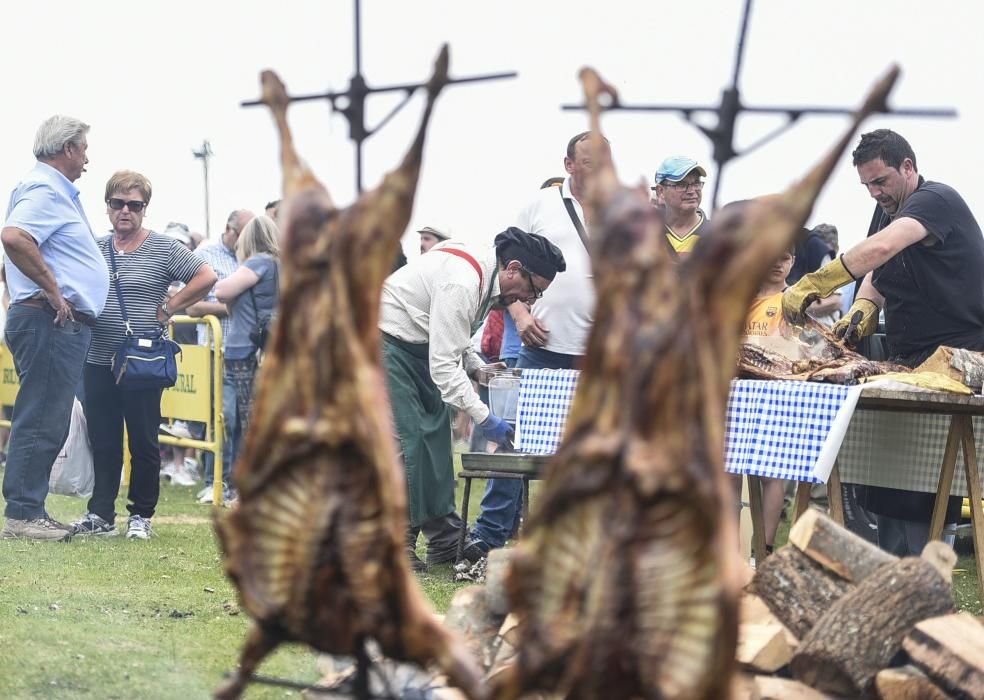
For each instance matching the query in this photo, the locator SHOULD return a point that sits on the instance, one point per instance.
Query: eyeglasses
(537, 292)
(696, 185)
(134, 205)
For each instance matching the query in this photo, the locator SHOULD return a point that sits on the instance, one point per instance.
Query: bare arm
(23, 252)
(204, 308)
(867, 291)
(877, 250)
(235, 284)
(823, 307)
(196, 289)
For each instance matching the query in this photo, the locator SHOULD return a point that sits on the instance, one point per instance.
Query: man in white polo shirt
(555, 331)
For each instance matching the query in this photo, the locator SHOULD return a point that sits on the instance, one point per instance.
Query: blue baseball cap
(675, 168)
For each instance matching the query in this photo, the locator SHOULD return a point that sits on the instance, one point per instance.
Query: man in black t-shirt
(922, 263)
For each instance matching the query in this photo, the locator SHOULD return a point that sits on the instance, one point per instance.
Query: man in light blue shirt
(58, 283)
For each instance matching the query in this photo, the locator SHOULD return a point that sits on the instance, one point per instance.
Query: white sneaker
(178, 428)
(168, 470)
(205, 496)
(181, 477)
(138, 528)
(191, 466)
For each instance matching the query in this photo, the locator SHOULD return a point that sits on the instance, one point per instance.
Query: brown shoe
(42, 529)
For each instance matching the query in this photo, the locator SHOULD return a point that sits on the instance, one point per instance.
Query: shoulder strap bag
(142, 361)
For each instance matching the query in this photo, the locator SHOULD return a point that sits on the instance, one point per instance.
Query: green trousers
(423, 423)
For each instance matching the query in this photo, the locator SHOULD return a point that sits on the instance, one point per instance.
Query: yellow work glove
(815, 285)
(867, 324)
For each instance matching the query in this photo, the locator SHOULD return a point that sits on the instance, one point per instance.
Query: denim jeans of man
(499, 517)
(49, 361)
(230, 440)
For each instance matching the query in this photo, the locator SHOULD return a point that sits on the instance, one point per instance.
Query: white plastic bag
(71, 474)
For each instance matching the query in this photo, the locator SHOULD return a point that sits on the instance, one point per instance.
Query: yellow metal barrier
(191, 398)
(199, 379)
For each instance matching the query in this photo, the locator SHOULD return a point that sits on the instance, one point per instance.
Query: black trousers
(106, 408)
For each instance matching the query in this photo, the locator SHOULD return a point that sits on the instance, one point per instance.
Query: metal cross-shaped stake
(354, 98)
(722, 135)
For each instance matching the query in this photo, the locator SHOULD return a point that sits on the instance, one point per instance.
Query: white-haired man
(58, 282)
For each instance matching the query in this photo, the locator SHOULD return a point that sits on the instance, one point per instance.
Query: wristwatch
(165, 309)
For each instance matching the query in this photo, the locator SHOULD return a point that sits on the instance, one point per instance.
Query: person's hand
(815, 285)
(63, 311)
(483, 374)
(497, 430)
(860, 321)
(532, 331)
(164, 314)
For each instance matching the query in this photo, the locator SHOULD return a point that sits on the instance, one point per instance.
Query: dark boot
(442, 538)
(416, 564)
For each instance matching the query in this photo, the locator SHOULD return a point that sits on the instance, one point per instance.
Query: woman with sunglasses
(146, 263)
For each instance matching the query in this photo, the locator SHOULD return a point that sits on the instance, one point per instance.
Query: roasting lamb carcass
(830, 361)
(316, 546)
(626, 582)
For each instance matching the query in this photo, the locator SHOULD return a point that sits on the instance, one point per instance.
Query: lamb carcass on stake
(316, 546)
(625, 583)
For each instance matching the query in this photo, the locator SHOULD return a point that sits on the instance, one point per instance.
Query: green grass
(115, 618)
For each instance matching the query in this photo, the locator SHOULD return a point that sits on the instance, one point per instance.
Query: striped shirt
(224, 263)
(144, 277)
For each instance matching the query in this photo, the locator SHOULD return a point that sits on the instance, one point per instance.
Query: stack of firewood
(832, 616)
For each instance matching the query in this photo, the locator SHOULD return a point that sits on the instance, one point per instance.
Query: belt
(50, 310)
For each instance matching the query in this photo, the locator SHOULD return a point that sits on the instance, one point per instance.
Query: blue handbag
(142, 361)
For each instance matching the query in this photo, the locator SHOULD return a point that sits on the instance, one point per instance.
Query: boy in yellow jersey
(679, 188)
(765, 318)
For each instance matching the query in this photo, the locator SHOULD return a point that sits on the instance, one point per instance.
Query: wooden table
(502, 465)
(961, 410)
(960, 435)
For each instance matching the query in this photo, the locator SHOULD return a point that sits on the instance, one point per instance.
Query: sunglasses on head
(134, 205)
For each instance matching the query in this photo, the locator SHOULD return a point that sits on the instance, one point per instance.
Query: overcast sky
(156, 78)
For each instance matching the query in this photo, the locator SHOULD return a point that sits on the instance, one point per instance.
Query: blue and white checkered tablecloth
(786, 429)
(783, 429)
(545, 396)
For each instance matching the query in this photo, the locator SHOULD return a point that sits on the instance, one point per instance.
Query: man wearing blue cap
(680, 186)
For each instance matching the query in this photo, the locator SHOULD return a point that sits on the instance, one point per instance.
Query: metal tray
(513, 462)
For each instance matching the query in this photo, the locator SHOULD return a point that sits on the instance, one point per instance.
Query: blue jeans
(500, 512)
(49, 361)
(230, 440)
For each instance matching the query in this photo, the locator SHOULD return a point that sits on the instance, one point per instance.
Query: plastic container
(504, 396)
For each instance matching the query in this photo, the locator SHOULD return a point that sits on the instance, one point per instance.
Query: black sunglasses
(134, 205)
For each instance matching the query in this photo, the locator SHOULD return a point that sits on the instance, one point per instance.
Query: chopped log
(797, 590)
(837, 548)
(496, 569)
(753, 609)
(950, 650)
(470, 617)
(907, 683)
(764, 647)
(771, 688)
(863, 630)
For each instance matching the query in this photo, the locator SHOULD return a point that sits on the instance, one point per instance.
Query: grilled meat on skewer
(625, 583)
(316, 545)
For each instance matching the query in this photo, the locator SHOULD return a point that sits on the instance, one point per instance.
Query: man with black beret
(430, 309)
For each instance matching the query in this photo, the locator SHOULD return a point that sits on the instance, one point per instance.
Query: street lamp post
(204, 154)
